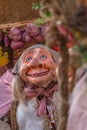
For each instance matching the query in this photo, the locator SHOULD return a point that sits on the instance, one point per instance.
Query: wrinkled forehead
(36, 52)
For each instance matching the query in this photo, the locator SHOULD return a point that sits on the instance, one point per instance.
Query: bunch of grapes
(31, 33)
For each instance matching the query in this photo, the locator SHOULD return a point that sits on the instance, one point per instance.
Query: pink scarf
(43, 96)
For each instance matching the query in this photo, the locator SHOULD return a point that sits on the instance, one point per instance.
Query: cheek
(53, 68)
(23, 70)
(51, 64)
(41, 80)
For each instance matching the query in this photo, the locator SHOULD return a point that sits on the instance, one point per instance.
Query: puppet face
(37, 67)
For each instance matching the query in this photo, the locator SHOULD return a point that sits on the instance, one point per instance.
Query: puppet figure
(35, 101)
(36, 90)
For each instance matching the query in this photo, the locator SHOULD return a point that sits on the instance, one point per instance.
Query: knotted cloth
(44, 97)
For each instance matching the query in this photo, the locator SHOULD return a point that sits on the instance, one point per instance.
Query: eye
(43, 57)
(28, 59)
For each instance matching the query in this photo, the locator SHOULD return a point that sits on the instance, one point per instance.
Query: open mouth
(38, 74)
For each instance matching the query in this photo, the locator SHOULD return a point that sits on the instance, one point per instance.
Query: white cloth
(27, 118)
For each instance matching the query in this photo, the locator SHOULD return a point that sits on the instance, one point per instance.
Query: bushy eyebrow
(35, 52)
(29, 53)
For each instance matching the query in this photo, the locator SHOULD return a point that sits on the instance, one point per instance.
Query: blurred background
(17, 10)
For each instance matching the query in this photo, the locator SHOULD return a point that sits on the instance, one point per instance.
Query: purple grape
(15, 34)
(15, 31)
(16, 45)
(25, 37)
(6, 41)
(39, 38)
(32, 30)
(16, 37)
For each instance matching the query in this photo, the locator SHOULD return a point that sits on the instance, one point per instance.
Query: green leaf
(39, 21)
(37, 6)
(47, 13)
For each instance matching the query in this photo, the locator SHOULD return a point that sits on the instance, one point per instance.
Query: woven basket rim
(15, 24)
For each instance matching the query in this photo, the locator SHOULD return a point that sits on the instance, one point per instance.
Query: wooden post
(54, 36)
(63, 83)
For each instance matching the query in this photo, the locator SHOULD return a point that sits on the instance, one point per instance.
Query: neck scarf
(44, 97)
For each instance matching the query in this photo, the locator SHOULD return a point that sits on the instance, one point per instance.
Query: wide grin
(38, 74)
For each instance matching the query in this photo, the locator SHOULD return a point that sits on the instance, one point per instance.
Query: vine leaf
(47, 13)
(37, 6)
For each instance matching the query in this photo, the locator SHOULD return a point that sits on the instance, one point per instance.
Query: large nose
(35, 62)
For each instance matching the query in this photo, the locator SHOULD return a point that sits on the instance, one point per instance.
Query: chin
(41, 82)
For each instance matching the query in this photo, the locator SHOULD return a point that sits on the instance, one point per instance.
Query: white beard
(27, 118)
